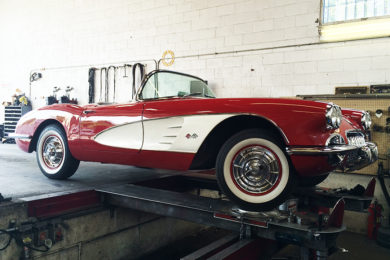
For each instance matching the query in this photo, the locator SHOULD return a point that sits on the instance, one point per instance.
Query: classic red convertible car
(259, 147)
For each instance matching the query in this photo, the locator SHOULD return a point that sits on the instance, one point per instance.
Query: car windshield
(165, 84)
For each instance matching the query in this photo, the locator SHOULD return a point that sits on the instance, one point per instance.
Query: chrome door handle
(88, 111)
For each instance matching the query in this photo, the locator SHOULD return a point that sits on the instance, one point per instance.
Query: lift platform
(257, 233)
(304, 220)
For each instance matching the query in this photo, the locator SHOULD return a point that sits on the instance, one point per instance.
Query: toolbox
(12, 116)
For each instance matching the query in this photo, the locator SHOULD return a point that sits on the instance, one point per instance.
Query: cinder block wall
(43, 33)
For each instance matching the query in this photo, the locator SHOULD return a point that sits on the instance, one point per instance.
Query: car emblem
(194, 136)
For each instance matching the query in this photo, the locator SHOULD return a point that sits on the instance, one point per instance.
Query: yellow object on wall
(168, 58)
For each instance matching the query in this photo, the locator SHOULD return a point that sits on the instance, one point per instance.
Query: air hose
(142, 72)
(383, 233)
(15, 234)
(3, 231)
(381, 175)
(91, 82)
(101, 83)
(107, 74)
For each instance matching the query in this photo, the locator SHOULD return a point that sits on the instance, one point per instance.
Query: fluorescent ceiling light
(370, 28)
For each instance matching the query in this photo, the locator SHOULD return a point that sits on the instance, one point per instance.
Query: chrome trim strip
(320, 150)
(333, 135)
(19, 136)
(353, 136)
(353, 131)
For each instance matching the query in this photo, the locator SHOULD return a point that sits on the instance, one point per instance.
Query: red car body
(185, 132)
(282, 113)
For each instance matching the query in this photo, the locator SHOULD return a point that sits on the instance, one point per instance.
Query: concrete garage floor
(358, 247)
(102, 234)
(21, 177)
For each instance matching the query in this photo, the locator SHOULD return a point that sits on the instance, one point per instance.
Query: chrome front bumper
(361, 158)
(347, 157)
(19, 136)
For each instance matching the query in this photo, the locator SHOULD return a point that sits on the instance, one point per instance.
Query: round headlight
(333, 116)
(366, 120)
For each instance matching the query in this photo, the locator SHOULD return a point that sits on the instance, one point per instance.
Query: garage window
(354, 19)
(347, 10)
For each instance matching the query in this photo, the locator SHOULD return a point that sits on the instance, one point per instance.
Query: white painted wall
(54, 33)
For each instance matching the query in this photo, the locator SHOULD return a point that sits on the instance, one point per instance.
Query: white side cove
(174, 134)
(179, 134)
(123, 136)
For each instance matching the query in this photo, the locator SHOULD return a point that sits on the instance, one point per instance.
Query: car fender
(32, 123)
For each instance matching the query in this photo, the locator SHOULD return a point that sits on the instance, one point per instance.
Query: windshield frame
(149, 75)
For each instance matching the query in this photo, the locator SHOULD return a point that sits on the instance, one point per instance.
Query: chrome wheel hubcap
(256, 169)
(52, 152)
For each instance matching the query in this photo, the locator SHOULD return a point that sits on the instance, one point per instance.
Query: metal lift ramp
(257, 233)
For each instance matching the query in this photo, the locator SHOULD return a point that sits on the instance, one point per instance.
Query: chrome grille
(356, 138)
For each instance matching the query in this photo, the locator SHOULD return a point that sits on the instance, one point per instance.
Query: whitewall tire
(254, 171)
(53, 155)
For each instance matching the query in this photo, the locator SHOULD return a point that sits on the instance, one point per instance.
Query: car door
(175, 122)
(112, 133)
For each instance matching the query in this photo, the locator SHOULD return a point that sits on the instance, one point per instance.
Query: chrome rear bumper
(347, 157)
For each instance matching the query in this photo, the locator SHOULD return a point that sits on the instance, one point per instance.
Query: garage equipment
(91, 83)
(380, 89)
(66, 98)
(105, 94)
(323, 197)
(103, 71)
(11, 118)
(35, 76)
(378, 113)
(383, 234)
(374, 219)
(53, 99)
(168, 197)
(351, 90)
(107, 86)
(125, 70)
(223, 214)
(142, 74)
(2, 199)
(106, 72)
(198, 200)
(33, 235)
